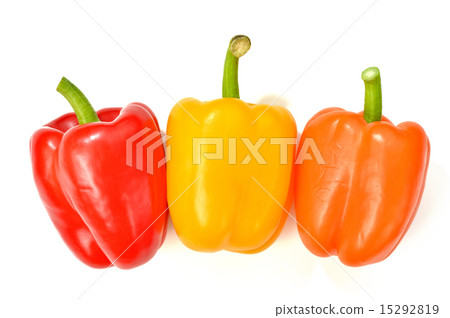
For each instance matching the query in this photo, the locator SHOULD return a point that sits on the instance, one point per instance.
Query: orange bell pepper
(217, 198)
(361, 202)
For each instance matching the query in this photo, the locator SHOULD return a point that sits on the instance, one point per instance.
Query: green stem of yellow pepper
(372, 99)
(239, 45)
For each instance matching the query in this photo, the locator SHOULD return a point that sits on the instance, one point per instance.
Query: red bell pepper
(108, 213)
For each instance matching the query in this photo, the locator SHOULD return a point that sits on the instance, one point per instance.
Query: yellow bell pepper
(230, 172)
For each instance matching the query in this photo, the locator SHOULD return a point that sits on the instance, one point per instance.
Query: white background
(182, 46)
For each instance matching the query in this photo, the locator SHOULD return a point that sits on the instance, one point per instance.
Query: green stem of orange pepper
(80, 104)
(239, 45)
(372, 99)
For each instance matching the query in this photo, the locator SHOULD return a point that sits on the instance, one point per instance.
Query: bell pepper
(107, 212)
(225, 197)
(361, 202)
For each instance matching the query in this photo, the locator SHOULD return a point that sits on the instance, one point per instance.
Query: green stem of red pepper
(80, 104)
(239, 45)
(372, 99)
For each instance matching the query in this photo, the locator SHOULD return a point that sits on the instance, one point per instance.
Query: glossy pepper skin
(221, 204)
(107, 213)
(361, 202)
